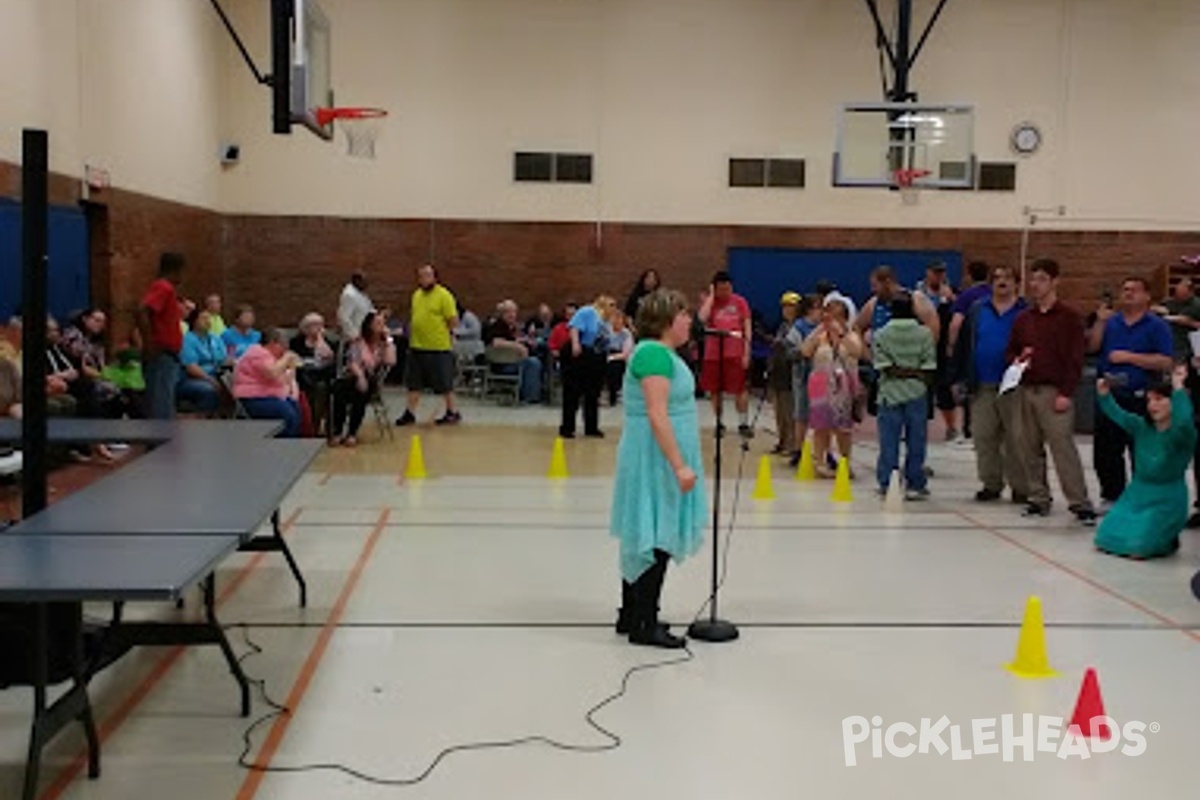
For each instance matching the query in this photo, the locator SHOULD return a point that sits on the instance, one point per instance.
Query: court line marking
(110, 724)
(304, 677)
(1191, 633)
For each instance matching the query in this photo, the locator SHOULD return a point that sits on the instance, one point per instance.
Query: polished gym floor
(476, 605)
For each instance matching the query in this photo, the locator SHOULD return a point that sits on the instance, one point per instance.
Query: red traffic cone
(1088, 707)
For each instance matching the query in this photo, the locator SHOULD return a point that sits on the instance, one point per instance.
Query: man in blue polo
(1135, 348)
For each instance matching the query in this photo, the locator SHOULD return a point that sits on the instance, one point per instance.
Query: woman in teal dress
(659, 504)
(1147, 518)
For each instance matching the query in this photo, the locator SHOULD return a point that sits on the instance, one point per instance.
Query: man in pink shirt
(729, 313)
(264, 382)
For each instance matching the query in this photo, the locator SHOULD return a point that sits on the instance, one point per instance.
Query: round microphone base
(712, 630)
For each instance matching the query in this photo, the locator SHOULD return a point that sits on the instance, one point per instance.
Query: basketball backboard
(874, 140)
(301, 41)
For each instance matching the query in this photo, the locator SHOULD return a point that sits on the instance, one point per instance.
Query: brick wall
(286, 266)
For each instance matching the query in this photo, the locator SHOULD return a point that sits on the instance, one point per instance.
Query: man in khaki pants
(980, 364)
(1049, 337)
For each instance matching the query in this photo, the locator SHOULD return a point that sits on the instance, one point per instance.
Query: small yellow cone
(841, 485)
(416, 461)
(763, 490)
(558, 462)
(1031, 660)
(806, 471)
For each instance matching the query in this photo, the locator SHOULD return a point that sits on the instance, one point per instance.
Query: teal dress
(1147, 518)
(649, 511)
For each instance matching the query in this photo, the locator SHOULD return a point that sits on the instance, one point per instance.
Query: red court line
(109, 725)
(1090, 581)
(304, 677)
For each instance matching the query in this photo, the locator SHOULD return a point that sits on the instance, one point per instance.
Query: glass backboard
(312, 73)
(876, 139)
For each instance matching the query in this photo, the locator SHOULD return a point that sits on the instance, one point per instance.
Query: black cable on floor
(613, 740)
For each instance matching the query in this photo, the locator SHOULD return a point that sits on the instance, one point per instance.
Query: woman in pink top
(369, 356)
(264, 381)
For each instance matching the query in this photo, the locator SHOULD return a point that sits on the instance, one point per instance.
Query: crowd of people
(1000, 367)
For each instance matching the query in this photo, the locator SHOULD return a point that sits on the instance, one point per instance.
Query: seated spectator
(538, 326)
(620, 347)
(319, 367)
(83, 343)
(368, 356)
(203, 359)
(216, 323)
(468, 336)
(505, 333)
(264, 380)
(239, 338)
(62, 379)
(560, 333)
(10, 388)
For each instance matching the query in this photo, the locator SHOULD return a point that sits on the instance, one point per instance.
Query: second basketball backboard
(874, 140)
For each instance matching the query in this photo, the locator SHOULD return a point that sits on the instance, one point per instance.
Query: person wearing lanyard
(1136, 349)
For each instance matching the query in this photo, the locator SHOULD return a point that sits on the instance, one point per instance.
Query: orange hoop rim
(905, 177)
(328, 115)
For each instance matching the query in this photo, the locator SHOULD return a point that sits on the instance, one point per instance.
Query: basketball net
(361, 126)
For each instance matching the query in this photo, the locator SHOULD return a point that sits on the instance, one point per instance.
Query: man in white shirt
(354, 307)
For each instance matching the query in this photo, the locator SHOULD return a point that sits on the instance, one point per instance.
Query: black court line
(783, 527)
(783, 625)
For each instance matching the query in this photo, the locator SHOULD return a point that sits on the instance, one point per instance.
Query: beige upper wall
(131, 86)
(664, 91)
(661, 91)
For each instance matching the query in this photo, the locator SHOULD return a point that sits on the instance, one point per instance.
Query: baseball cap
(790, 299)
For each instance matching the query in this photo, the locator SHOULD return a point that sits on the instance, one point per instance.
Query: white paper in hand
(1194, 341)
(1012, 376)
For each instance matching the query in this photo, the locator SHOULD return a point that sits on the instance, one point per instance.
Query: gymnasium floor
(477, 605)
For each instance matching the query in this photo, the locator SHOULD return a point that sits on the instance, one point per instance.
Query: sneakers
(406, 418)
(1035, 510)
(986, 495)
(1084, 514)
(916, 494)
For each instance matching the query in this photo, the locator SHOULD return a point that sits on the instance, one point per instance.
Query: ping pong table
(148, 532)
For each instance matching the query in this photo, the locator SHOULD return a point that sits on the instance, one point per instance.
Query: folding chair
(509, 385)
(379, 408)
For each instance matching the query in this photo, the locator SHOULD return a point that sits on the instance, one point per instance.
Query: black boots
(639, 613)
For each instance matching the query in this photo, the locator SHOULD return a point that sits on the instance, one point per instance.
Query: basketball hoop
(905, 181)
(362, 127)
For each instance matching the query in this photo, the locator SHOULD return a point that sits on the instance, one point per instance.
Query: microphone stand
(715, 629)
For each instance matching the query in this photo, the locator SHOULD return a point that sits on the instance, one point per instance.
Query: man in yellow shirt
(430, 361)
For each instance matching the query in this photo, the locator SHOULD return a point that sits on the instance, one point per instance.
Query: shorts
(735, 376)
(429, 369)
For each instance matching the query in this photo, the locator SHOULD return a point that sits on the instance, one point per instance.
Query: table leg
(219, 635)
(275, 543)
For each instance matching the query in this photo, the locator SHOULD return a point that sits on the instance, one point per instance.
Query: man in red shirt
(160, 324)
(724, 311)
(1049, 337)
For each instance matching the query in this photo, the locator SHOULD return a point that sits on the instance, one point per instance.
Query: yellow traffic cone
(763, 490)
(806, 471)
(841, 485)
(558, 461)
(416, 461)
(1031, 660)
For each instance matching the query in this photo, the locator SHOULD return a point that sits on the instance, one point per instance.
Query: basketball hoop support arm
(264, 80)
(900, 54)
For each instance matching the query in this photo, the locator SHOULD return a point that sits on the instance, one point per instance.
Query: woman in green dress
(659, 505)
(1147, 518)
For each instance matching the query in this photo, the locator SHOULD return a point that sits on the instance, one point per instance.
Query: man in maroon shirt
(1049, 337)
(160, 324)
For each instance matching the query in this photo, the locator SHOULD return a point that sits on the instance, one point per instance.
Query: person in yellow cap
(783, 349)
